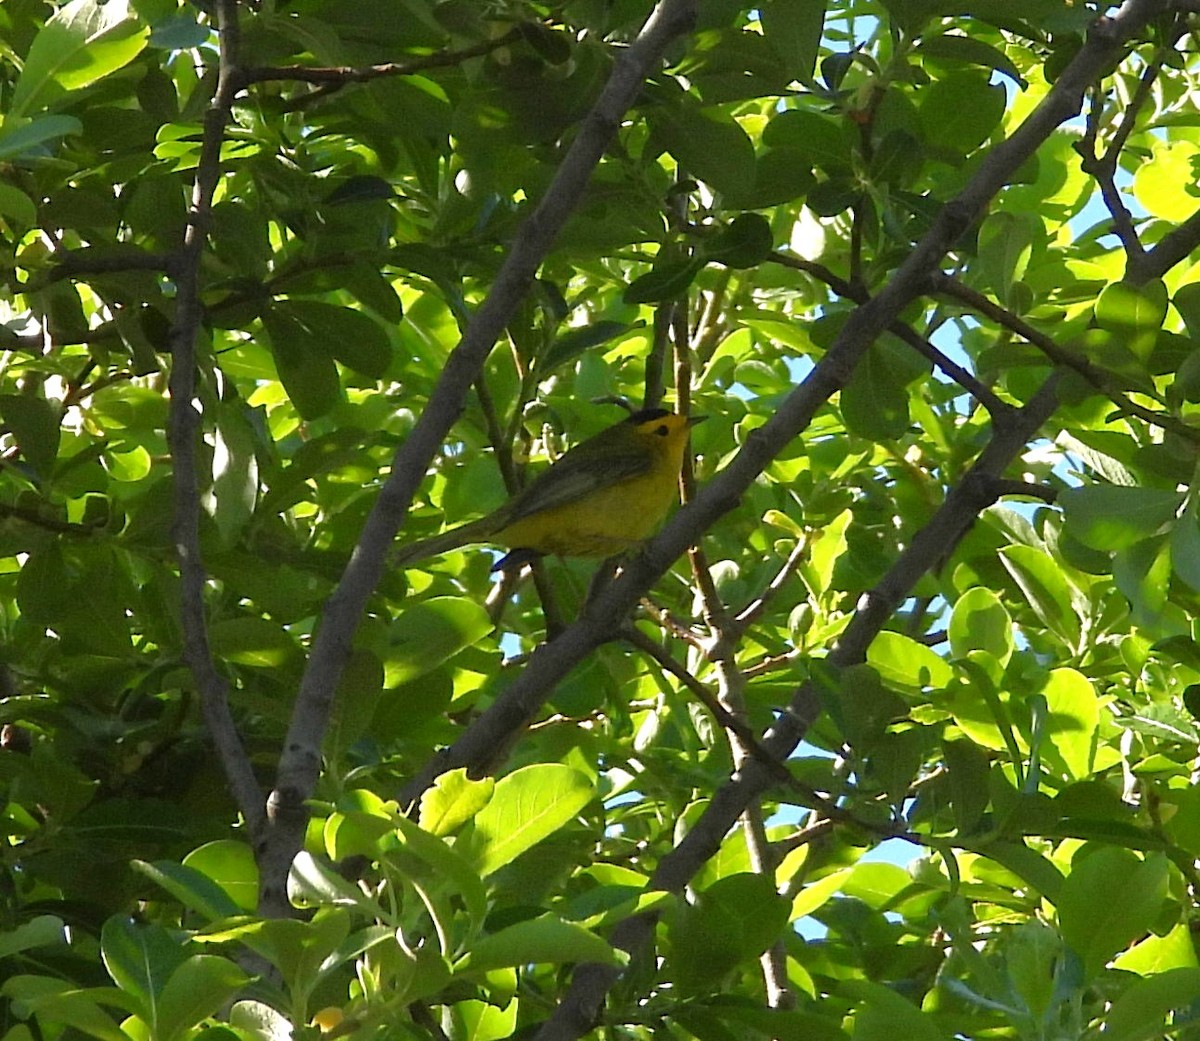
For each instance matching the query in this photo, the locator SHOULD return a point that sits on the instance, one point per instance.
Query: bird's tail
(473, 531)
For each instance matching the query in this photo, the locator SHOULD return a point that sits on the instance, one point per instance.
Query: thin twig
(965, 379)
(701, 693)
(329, 80)
(655, 366)
(1103, 169)
(773, 663)
(1094, 374)
(754, 610)
(55, 524)
(67, 263)
(677, 629)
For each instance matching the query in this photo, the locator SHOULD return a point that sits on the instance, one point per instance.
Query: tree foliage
(891, 731)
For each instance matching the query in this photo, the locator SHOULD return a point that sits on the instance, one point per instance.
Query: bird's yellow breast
(600, 524)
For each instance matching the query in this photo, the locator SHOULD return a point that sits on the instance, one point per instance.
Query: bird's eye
(663, 430)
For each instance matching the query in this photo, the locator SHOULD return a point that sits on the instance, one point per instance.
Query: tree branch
(329, 80)
(590, 984)
(184, 434)
(1176, 246)
(1103, 167)
(491, 732)
(967, 380)
(300, 761)
(1095, 375)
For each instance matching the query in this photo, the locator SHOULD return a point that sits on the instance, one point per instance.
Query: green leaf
(1142, 1009)
(1031, 956)
(1143, 573)
(179, 33)
(968, 768)
(911, 15)
(897, 159)
(46, 930)
(253, 641)
(537, 941)
(34, 423)
(905, 663)
(744, 243)
(1186, 547)
(817, 140)
(20, 138)
(1109, 899)
(230, 864)
(572, 343)
(429, 633)
(959, 112)
(665, 281)
(815, 894)
(731, 923)
(1158, 954)
(981, 622)
(353, 338)
(14, 203)
(195, 991)
(453, 800)
(61, 1002)
(305, 364)
(371, 289)
(1165, 185)
(140, 959)
(884, 1015)
(449, 865)
(356, 833)
(298, 949)
(1044, 586)
(781, 175)
(1107, 517)
(782, 1024)
(356, 701)
(709, 145)
(1074, 716)
(794, 33)
(863, 707)
(969, 51)
(257, 1020)
(479, 1021)
(1136, 312)
(1006, 242)
(1187, 303)
(874, 403)
(1037, 870)
(81, 42)
(527, 806)
(235, 483)
(313, 883)
(877, 885)
(191, 888)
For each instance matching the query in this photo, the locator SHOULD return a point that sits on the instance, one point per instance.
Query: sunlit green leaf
(526, 807)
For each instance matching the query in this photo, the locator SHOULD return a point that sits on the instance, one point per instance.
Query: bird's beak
(693, 420)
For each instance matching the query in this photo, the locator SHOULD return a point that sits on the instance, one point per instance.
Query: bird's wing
(575, 475)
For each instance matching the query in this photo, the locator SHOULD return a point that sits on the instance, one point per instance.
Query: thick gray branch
(580, 1008)
(300, 762)
(495, 729)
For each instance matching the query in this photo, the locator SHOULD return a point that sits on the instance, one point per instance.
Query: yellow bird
(601, 498)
